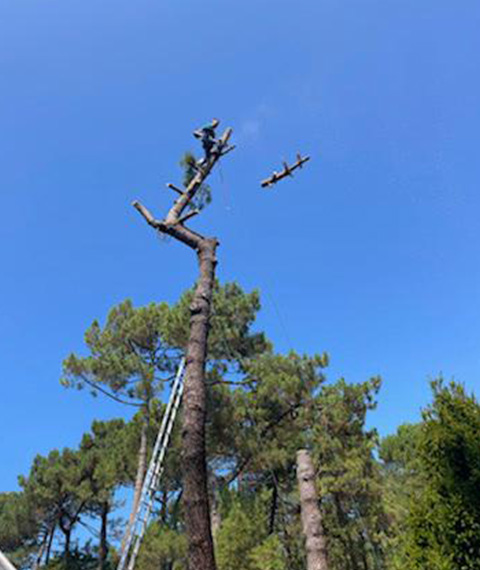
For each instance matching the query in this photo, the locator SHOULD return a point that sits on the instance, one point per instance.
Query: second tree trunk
(311, 517)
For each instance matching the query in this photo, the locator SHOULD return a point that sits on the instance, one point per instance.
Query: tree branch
(90, 528)
(228, 149)
(146, 214)
(230, 382)
(173, 187)
(176, 230)
(107, 393)
(271, 425)
(186, 217)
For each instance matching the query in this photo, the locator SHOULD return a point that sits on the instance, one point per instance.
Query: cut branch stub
(187, 216)
(146, 214)
(175, 188)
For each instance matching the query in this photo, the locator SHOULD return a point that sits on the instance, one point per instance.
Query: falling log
(287, 171)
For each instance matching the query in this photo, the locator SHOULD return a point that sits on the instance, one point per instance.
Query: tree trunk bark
(103, 547)
(140, 475)
(141, 467)
(68, 534)
(50, 541)
(215, 516)
(273, 508)
(164, 509)
(195, 487)
(195, 493)
(311, 517)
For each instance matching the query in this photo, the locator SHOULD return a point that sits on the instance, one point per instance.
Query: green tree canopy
(444, 520)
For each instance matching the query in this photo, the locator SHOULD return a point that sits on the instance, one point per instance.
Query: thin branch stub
(175, 188)
(186, 217)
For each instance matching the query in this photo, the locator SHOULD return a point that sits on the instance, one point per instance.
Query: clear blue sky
(371, 253)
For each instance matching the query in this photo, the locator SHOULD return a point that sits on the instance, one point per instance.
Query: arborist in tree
(206, 134)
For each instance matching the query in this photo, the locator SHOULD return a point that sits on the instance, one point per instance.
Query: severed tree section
(195, 487)
(287, 171)
(311, 517)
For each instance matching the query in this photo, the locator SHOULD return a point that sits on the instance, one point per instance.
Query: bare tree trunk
(215, 516)
(103, 547)
(195, 493)
(50, 541)
(140, 476)
(163, 510)
(273, 507)
(66, 552)
(195, 486)
(141, 468)
(311, 517)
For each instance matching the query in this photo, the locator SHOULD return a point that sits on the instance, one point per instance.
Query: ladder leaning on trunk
(136, 530)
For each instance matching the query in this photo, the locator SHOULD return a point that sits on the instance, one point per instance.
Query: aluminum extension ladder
(136, 531)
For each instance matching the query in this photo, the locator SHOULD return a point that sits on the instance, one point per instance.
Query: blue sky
(370, 253)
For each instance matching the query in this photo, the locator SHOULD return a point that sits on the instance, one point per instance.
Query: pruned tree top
(174, 222)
